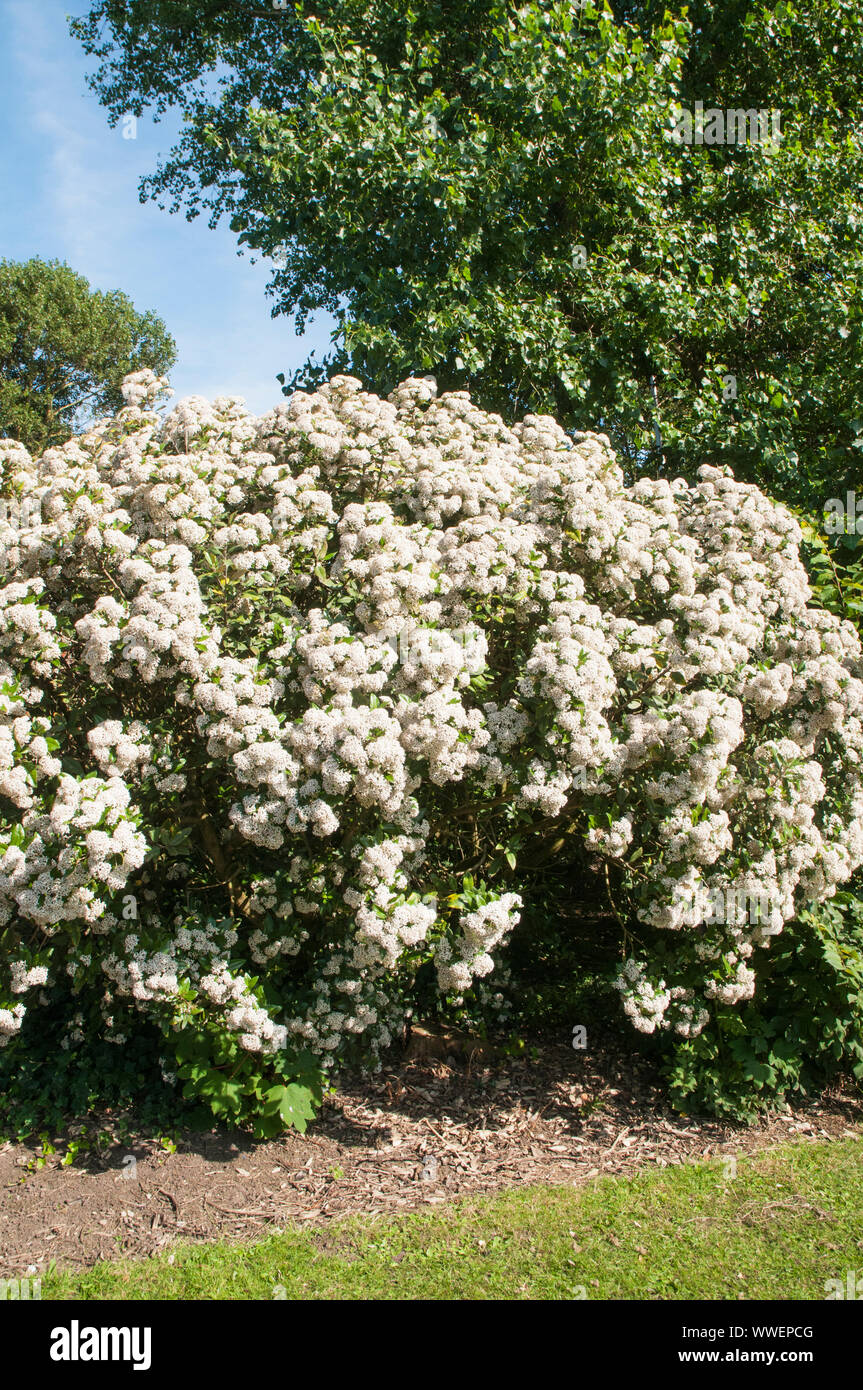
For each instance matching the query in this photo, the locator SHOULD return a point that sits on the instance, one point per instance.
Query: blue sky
(69, 191)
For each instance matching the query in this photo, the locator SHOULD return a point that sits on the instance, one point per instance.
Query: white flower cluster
(10, 1023)
(243, 1014)
(645, 1001)
(612, 841)
(144, 386)
(286, 677)
(64, 861)
(24, 977)
(460, 961)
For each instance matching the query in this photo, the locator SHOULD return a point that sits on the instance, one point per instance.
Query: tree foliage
(490, 191)
(65, 349)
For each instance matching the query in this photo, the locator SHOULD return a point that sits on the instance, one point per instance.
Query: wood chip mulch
(411, 1137)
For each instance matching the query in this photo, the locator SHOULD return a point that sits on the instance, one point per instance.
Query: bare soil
(412, 1137)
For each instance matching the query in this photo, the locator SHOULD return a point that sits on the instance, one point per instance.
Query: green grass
(788, 1221)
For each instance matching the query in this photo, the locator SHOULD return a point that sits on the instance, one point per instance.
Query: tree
(495, 193)
(65, 349)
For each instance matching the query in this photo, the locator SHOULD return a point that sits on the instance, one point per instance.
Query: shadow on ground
(412, 1136)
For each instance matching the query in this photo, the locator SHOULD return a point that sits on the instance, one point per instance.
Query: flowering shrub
(288, 704)
(804, 1024)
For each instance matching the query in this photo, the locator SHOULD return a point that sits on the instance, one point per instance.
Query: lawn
(781, 1225)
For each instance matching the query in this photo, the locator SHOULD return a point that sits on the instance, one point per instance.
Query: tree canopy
(65, 349)
(493, 192)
